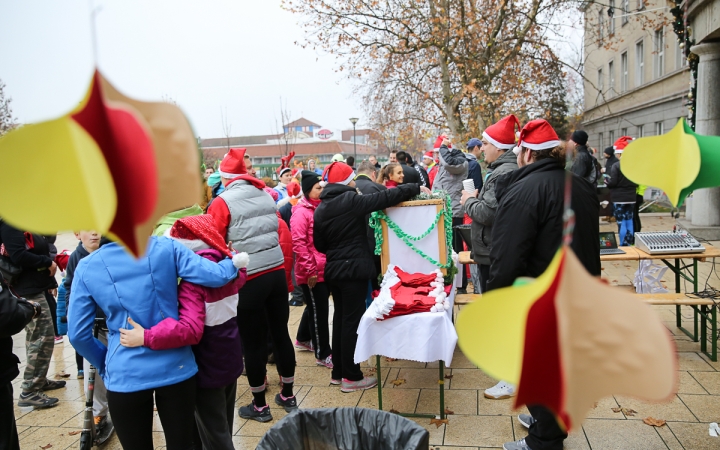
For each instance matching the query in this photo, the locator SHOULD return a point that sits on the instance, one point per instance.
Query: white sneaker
(500, 391)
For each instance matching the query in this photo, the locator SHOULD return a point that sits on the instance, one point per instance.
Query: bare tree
(7, 120)
(288, 137)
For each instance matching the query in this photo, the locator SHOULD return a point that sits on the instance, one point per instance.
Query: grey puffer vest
(253, 225)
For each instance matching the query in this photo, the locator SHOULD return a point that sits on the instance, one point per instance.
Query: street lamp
(354, 121)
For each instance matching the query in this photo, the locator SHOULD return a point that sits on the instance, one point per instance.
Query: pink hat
(338, 172)
(273, 193)
(621, 143)
(233, 164)
(502, 134)
(538, 134)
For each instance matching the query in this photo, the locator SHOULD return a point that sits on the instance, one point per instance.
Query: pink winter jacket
(308, 261)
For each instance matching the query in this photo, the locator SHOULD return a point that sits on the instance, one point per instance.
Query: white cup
(469, 185)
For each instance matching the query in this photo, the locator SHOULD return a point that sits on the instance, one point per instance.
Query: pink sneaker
(327, 362)
(304, 345)
(352, 386)
(335, 382)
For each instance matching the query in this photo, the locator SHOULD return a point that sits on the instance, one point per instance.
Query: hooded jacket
(622, 190)
(474, 171)
(35, 277)
(340, 231)
(451, 173)
(366, 186)
(528, 227)
(145, 289)
(308, 260)
(482, 209)
(410, 174)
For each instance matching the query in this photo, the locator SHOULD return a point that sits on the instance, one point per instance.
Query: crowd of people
(182, 346)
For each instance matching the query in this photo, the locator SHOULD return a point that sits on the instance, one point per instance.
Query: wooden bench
(704, 311)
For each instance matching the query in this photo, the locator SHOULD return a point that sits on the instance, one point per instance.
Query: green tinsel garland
(445, 212)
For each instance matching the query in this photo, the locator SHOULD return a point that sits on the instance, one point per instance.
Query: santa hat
(339, 173)
(202, 228)
(537, 135)
(233, 164)
(293, 188)
(429, 154)
(502, 133)
(621, 143)
(439, 141)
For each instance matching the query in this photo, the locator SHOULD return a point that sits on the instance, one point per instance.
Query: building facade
(636, 76)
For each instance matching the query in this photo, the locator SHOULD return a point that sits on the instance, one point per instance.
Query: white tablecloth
(423, 337)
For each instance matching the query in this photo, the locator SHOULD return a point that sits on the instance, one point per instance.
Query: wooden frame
(439, 204)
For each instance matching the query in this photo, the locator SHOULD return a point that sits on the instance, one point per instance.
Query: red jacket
(286, 245)
(308, 261)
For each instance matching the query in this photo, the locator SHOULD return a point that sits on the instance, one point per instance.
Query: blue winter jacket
(146, 290)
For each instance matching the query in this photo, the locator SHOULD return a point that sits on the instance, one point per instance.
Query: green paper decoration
(709, 175)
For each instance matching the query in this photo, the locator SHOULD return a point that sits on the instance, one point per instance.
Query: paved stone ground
(476, 422)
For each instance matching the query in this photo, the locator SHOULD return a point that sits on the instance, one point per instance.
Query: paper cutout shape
(568, 340)
(678, 162)
(125, 163)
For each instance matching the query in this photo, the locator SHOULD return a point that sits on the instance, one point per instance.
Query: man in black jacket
(527, 233)
(32, 253)
(15, 314)
(365, 182)
(623, 194)
(411, 175)
(340, 233)
(584, 164)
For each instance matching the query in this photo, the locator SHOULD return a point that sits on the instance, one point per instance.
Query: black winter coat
(622, 190)
(529, 223)
(410, 174)
(366, 186)
(15, 313)
(35, 262)
(584, 165)
(340, 228)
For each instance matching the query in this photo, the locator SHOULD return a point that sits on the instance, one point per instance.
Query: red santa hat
(429, 154)
(439, 141)
(201, 228)
(621, 143)
(502, 133)
(293, 188)
(537, 135)
(233, 164)
(338, 172)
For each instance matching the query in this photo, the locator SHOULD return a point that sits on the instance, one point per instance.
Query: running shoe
(51, 385)
(81, 374)
(517, 445)
(500, 391)
(252, 412)
(288, 403)
(59, 339)
(304, 345)
(527, 420)
(327, 362)
(335, 382)
(360, 385)
(36, 399)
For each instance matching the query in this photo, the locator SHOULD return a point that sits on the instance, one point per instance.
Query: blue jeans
(624, 213)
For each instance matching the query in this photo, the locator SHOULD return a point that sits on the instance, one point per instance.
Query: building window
(659, 53)
(325, 158)
(267, 161)
(625, 10)
(611, 136)
(600, 81)
(611, 19)
(639, 63)
(623, 72)
(641, 131)
(601, 25)
(611, 78)
(659, 128)
(680, 59)
(623, 132)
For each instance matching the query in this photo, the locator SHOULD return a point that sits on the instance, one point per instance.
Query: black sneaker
(253, 413)
(36, 399)
(295, 302)
(461, 291)
(289, 403)
(51, 385)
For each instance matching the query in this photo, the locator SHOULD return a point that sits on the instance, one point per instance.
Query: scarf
(391, 184)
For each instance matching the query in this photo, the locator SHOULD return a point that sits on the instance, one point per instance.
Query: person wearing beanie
(313, 167)
(584, 163)
(610, 159)
(313, 332)
(146, 290)
(247, 216)
(284, 178)
(623, 194)
(526, 235)
(339, 233)
(207, 322)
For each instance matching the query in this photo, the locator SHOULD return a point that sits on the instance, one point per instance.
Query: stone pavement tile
(242, 442)
(669, 438)
(437, 434)
(674, 410)
(714, 364)
(488, 407)
(302, 358)
(443, 447)
(315, 376)
(694, 436)
(603, 410)
(575, 441)
(277, 412)
(52, 417)
(690, 384)
(684, 344)
(328, 397)
(693, 362)
(709, 380)
(384, 363)
(705, 407)
(158, 439)
(258, 429)
(480, 431)
(418, 378)
(73, 390)
(57, 437)
(606, 434)
(402, 400)
(386, 375)
(458, 401)
(459, 361)
(471, 379)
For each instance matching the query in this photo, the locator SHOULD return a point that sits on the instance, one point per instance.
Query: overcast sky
(208, 56)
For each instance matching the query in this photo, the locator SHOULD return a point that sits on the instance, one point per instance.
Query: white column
(706, 202)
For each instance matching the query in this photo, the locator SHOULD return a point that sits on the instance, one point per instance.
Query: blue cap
(474, 142)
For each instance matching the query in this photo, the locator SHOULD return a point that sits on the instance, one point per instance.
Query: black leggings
(349, 301)
(262, 306)
(458, 247)
(132, 414)
(314, 322)
(8, 429)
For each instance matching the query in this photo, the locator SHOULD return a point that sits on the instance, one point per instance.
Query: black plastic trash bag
(345, 429)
